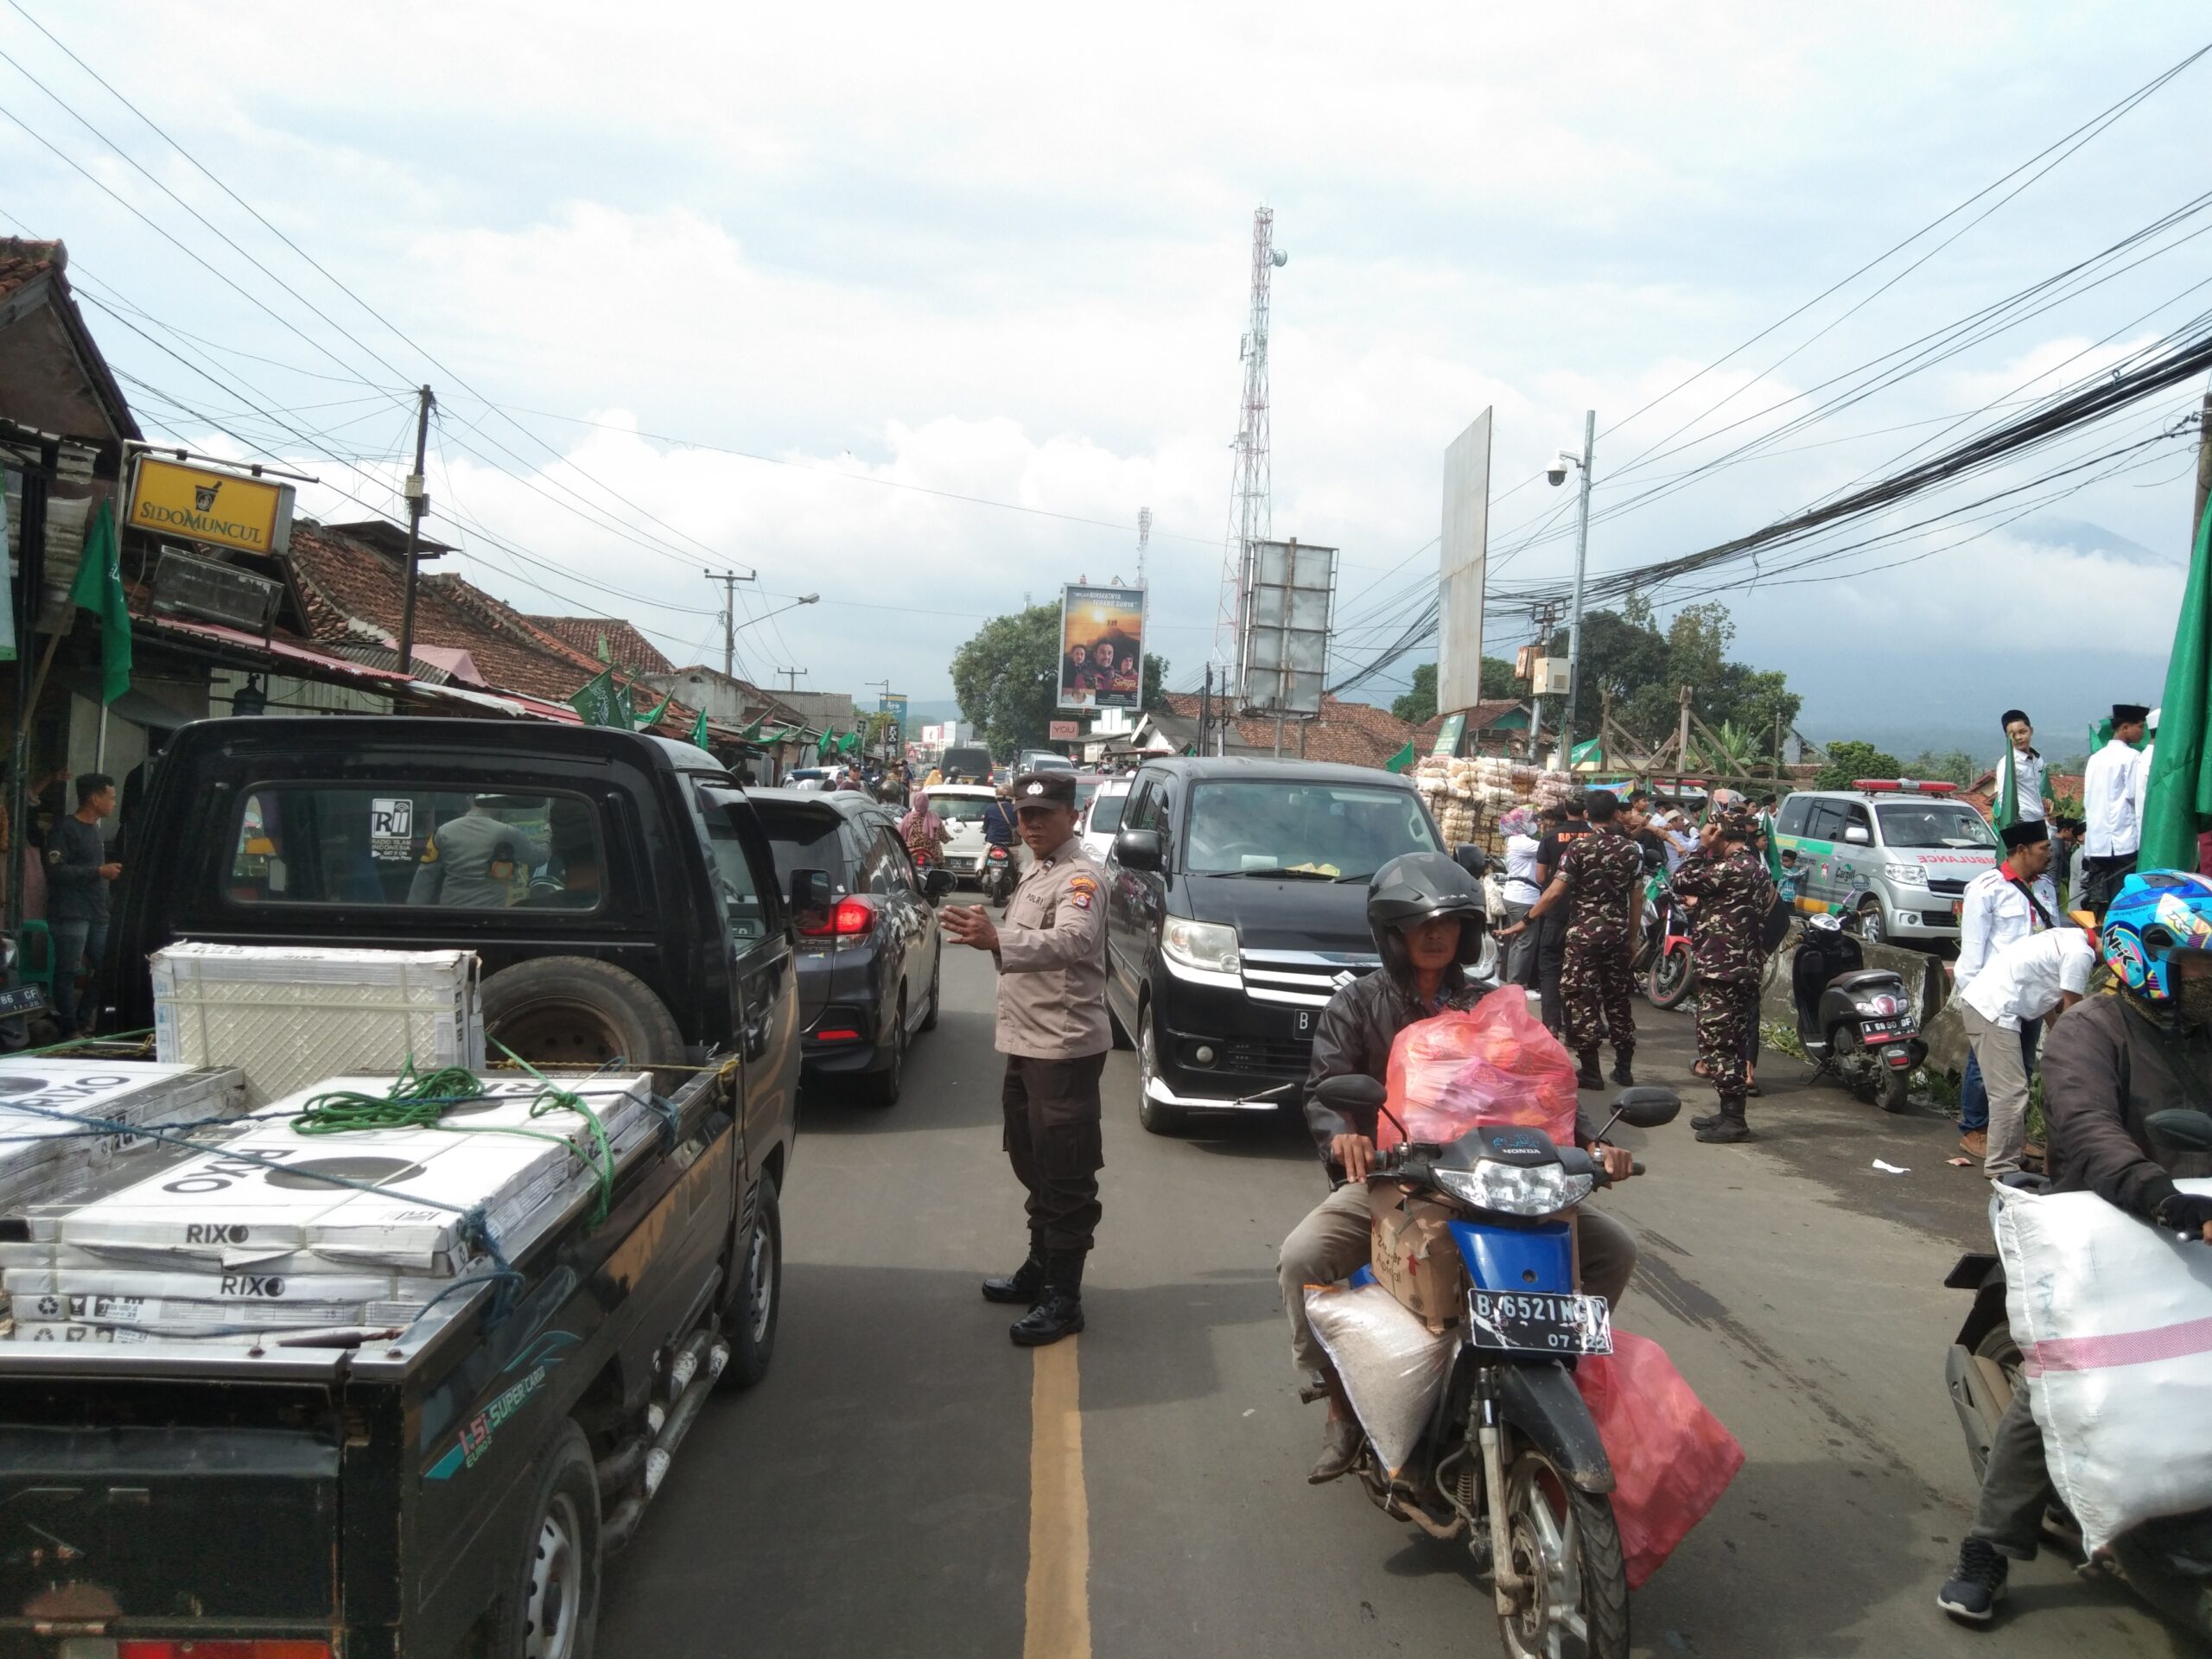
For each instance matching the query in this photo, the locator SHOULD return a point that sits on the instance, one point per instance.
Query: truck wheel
(550, 1609)
(577, 1011)
(756, 1293)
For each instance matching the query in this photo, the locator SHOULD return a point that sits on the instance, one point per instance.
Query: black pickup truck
(449, 1489)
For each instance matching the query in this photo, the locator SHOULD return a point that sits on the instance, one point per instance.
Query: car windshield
(960, 809)
(1935, 824)
(1281, 826)
(1106, 812)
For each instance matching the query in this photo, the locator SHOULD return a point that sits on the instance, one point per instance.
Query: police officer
(1051, 954)
(1599, 877)
(472, 861)
(1734, 896)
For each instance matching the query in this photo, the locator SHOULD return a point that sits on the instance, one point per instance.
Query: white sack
(1390, 1365)
(2114, 1317)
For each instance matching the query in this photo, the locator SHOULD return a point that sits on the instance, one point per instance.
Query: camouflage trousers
(1727, 1015)
(1595, 986)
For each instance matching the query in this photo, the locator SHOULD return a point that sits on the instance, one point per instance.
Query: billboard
(205, 504)
(1463, 542)
(1062, 731)
(1102, 647)
(1285, 652)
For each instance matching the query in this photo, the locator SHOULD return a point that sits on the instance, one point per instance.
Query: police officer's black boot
(1058, 1312)
(1587, 1076)
(1622, 1075)
(1024, 1284)
(1728, 1125)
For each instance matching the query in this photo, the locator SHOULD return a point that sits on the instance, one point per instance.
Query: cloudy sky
(770, 288)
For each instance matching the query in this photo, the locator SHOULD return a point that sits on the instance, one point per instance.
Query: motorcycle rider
(2108, 1064)
(1427, 916)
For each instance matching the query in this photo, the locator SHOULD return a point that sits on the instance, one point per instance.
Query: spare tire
(579, 1012)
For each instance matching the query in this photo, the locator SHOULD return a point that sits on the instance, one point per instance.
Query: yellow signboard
(205, 505)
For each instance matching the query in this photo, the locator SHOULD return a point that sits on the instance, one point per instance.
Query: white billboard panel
(1461, 566)
(1286, 645)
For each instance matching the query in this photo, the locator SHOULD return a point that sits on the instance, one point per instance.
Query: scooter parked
(1856, 1022)
(999, 877)
(1664, 956)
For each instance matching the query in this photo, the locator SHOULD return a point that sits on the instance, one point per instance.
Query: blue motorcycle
(1509, 1458)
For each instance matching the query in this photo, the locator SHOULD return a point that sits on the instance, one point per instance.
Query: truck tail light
(223, 1648)
(847, 916)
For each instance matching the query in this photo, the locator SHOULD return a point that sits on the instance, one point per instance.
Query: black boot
(1622, 1075)
(1023, 1284)
(1728, 1125)
(1587, 1076)
(1705, 1120)
(1058, 1312)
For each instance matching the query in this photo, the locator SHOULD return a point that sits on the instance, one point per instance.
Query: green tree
(1007, 678)
(1155, 679)
(1624, 653)
(1418, 705)
(1954, 766)
(1851, 760)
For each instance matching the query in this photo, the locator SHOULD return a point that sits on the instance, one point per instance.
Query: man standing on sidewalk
(2108, 803)
(1560, 828)
(2002, 905)
(1598, 878)
(1051, 1028)
(1734, 897)
(78, 876)
(2031, 978)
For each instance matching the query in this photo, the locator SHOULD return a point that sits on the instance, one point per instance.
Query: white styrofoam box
(44, 1101)
(2113, 1318)
(261, 1195)
(289, 1014)
(185, 1317)
(251, 1287)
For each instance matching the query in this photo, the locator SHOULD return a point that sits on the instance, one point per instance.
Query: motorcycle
(1664, 957)
(999, 877)
(1856, 1022)
(1509, 1458)
(2169, 1561)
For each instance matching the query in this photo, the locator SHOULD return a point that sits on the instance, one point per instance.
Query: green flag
(1401, 760)
(2005, 811)
(98, 588)
(646, 722)
(1773, 848)
(699, 731)
(597, 702)
(850, 743)
(751, 733)
(2179, 800)
(825, 746)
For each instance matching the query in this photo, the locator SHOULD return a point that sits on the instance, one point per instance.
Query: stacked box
(46, 1103)
(287, 1016)
(253, 1233)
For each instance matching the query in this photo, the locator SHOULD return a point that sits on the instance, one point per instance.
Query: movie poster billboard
(1102, 647)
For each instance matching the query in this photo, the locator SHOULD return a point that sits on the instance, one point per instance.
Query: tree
(1418, 706)
(1155, 680)
(1955, 766)
(1624, 653)
(1007, 678)
(1853, 759)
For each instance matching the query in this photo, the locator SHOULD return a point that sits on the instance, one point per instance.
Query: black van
(1236, 907)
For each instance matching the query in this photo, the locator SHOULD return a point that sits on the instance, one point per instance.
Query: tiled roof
(607, 641)
(22, 259)
(1351, 733)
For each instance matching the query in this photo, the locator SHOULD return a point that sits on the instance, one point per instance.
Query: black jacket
(1354, 1039)
(2106, 1066)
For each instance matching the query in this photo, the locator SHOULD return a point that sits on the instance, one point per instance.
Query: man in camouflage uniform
(1600, 877)
(1733, 895)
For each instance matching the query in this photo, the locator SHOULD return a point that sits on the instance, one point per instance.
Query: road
(907, 1482)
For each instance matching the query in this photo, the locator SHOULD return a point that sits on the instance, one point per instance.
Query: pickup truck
(449, 1489)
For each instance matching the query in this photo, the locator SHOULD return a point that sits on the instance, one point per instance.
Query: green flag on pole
(1401, 760)
(98, 588)
(646, 722)
(699, 731)
(2178, 802)
(1773, 848)
(850, 743)
(597, 703)
(825, 745)
(751, 733)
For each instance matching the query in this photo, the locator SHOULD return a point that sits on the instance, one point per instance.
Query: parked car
(871, 961)
(1236, 907)
(966, 763)
(962, 807)
(1102, 816)
(1043, 760)
(1894, 857)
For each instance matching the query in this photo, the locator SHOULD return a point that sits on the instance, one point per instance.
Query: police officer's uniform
(471, 862)
(1052, 1029)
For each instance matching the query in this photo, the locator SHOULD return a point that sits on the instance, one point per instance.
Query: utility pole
(418, 503)
(1545, 618)
(729, 580)
(791, 677)
(2204, 467)
(1574, 616)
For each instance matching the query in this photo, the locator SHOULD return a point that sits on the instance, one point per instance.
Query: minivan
(1893, 856)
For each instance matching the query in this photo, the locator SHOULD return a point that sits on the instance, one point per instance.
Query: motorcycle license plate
(1540, 1323)
(1883, 1027)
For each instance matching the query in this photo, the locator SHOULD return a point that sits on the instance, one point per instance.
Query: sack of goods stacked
(1494, 785)
(293, 1219)
(289, 1014)
(1556, 789)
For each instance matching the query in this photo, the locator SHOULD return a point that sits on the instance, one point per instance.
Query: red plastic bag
(1493, 1064)
(1671, 1458)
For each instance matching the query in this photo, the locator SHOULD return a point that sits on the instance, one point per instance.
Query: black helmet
(1417, 888)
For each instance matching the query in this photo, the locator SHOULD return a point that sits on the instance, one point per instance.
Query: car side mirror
(936, 881)
(2179, 1129)
(1646, 1107)
(1141, 850)
(1472, 859)
(1858, 834)
(812, 895)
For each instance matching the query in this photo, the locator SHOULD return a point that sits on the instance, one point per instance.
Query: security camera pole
(1574, 614)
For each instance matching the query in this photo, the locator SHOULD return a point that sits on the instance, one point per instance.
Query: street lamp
(1557, 473)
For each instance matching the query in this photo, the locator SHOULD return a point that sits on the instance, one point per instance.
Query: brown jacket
(2106, 1066)
(1052, 960)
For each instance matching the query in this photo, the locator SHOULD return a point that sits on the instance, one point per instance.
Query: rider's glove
(2185, 1212)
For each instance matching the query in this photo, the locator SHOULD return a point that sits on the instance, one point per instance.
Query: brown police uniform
(1051, 1027)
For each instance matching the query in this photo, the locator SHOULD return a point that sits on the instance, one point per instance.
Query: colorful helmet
(2156, 913)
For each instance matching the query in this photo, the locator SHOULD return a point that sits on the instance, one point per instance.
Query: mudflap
(1541, 1402)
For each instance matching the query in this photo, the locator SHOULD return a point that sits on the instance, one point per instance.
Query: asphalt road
(907, 1482)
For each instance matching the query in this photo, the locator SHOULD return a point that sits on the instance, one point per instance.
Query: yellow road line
(1057, 1619)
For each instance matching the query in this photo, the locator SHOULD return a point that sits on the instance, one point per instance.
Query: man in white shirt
(2034, 977)
(2004, 903)
(2143, 770)
(2030, 783)
(2108, 803)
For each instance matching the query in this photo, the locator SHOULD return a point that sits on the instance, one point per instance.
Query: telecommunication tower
(1144, 540)
(1250, 520)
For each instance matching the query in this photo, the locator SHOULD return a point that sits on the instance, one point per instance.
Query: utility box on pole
(1466, 543)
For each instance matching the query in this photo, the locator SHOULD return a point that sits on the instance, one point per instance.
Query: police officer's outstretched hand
(971, 925)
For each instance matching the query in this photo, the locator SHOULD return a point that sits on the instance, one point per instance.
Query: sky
(915, 310)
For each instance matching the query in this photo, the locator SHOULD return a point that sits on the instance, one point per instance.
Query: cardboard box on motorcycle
(1414, 1257)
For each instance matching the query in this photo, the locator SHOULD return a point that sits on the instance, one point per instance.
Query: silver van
(1895, 856)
